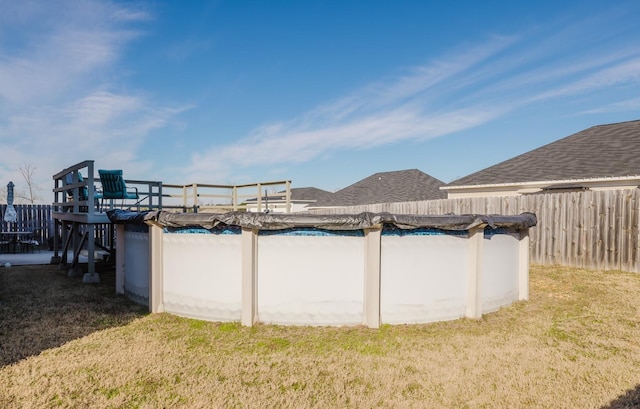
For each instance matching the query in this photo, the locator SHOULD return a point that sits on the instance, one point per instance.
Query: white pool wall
(202, 276)
(499, 263)
(423, 278)
(331, 279)
(136, 278)
(310, 280)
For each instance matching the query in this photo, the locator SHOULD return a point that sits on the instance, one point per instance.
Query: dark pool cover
(278, 221)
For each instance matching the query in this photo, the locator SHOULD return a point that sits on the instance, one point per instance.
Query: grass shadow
(42, 308)
(629, 400)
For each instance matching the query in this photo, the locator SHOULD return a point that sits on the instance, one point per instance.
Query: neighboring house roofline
(386, 187)
(543, 183)
(602, 151)
(297, 194)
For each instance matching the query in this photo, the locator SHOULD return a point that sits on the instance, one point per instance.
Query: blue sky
(323, 93)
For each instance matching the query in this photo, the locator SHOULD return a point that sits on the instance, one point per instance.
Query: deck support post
(91, 277)
(76, 245)
(57, 227)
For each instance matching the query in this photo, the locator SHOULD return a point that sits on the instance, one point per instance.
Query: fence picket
(36, 218)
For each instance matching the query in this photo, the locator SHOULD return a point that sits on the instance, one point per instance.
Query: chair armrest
(131, 193)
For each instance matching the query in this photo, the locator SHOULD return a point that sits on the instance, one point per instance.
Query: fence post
(90, 276)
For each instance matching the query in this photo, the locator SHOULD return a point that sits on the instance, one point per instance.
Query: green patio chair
(114, 187)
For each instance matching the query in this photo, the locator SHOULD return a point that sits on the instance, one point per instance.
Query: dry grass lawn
(575, 344)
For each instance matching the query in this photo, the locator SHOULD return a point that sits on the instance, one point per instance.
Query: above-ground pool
(302, 269)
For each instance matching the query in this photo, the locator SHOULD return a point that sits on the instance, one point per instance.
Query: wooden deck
(78, 214)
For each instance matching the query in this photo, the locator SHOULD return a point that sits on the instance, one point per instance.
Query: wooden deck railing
(210, 198)
(155, 195)
(68, 196)
(149, 192)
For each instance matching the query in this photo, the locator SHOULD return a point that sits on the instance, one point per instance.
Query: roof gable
(309, 194)
(388, 187)
(611, 150)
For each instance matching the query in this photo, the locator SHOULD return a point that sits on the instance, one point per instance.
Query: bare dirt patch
(575, 344)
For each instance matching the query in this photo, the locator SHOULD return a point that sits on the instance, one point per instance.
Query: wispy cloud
(626, 72)
(50, 60)
(130, 14)
(621, 106)
(108, 127)
(426, 77)
(395, 109)
(458, 91)
(59, 96)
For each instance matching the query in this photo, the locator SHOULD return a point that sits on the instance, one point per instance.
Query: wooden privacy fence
(35, 218)
(590, 229)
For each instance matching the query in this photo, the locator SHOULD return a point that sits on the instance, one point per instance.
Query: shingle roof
(303, 194)
(611, 150)
(309, 194)
(388, 187)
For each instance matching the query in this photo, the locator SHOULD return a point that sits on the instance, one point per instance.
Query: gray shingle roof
(611, 150)
(309, 194)
(388, 187)
(303, 194)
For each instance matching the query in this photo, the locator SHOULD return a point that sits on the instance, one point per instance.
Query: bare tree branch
(27, 171)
